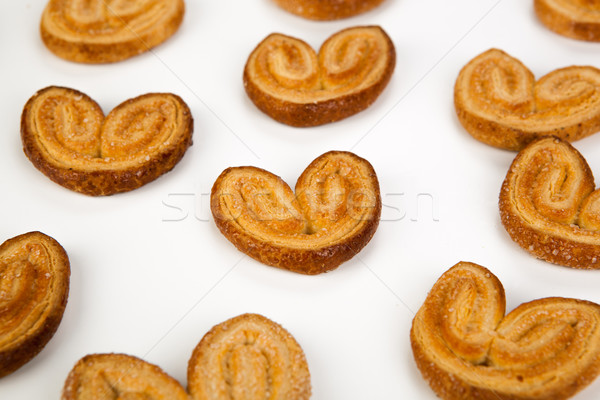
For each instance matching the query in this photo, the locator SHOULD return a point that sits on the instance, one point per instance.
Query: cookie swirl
(331, 217)
(249, 357)
(121, 377)
(465, 347)
(499, 102)
(95, 31)
(67, 137)
(577, 19)
(34, 286)
(288, 81)
(548, 204)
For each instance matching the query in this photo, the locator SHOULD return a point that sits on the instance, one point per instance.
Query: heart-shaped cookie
(331, 217)
(288, 81)
(548, 204)
(499, 102)
(246, 357)
(67, 137)
(34, 286)
(466, 348)
(577, 19)
(109, 30)
(327, 10)
(120, 376)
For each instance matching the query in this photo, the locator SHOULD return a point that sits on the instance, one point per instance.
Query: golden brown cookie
(122, 377)
(288, 81)
(66, 136)
(327, 10)
(34, 286)
(466, 348)
(548, 204)
(331, 217)
(499, 102)
(577, 19)
(248, 357)
(108, 31)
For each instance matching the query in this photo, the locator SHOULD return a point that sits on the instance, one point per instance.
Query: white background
(151, 274)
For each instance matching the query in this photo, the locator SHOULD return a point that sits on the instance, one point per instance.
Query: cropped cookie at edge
(498, 101)
(248, 356)
(120, 376)
(467, 348)
(327, 10)
(34, 287)
(549, 205)
(289, 82)
(575, 19)
(66, 136)
(99, 32)
(332, 215)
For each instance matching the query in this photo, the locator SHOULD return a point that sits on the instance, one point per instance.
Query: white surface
(147, 285)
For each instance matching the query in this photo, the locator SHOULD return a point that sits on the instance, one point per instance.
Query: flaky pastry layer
(34, 286)
(288, 81)
(332, 215)
(66, 136)
(108, 31)
(499, 102)
(327, 10)
(466, 348)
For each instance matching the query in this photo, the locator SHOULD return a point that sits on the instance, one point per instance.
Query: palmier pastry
(327, 10)
(331, 217)
(499, 102)
(466, 348)
(248, 357)
(67, 137)
(288, 81)
(549, 206)
(120, 376)
(577, 19)
(108, 31)
(34, 286)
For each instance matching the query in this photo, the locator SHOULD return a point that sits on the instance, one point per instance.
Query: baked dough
(108, 31)
(548, 204)
(288, 81)
(466, 348)
(248, 357)
(332, 216)
(34, 286)
(577, 19)
(66, 136)
(499, 102)
(327, 10)
(120, 376)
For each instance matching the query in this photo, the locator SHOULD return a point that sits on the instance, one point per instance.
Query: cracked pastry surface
(332, 215)
(576, 19)
(467, 348)
(499, 102)
(248, 357)
(549, 205)
(66, 136)
(288, 81)
(95, 31)
(34, 286)
(327, 10)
